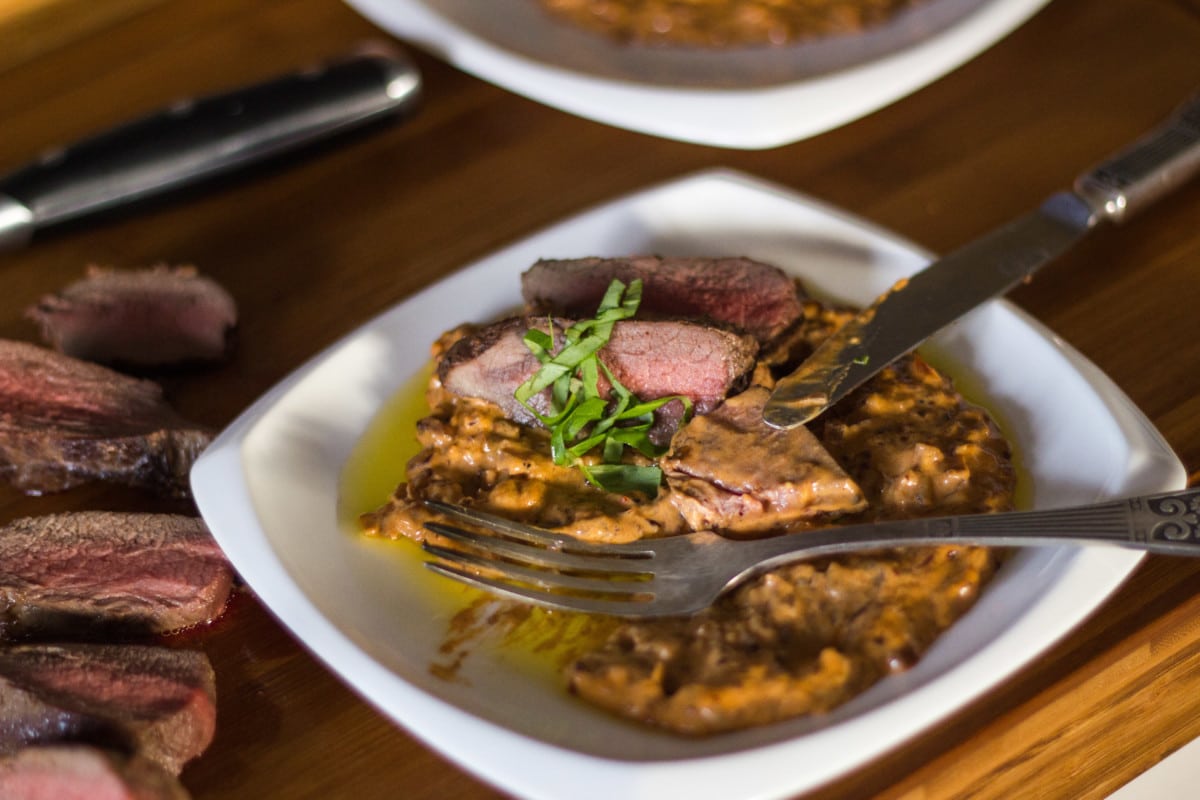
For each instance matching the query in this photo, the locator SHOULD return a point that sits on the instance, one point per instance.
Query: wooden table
(312, 250)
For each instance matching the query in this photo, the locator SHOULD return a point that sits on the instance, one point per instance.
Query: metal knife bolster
(1152, 166)
(196, 139)
(16, 223)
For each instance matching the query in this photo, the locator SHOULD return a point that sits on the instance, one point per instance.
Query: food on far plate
(155, 702)
(517, 439)
(82, 772)
(65, 422)
(140, 318)
(725, 23)
(98, 573)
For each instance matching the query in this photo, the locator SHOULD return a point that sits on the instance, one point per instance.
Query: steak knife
(201, 138)
(917, 307)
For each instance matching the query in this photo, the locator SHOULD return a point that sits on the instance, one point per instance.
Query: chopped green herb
(580, 420)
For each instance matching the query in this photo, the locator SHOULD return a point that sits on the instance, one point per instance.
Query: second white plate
(746, 99)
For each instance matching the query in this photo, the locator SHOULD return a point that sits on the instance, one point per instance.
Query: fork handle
(1167, 523)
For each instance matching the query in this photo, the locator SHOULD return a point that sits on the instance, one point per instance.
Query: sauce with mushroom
(725, 23)
(800, 639)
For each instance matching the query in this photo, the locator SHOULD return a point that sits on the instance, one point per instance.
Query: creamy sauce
(799, 640)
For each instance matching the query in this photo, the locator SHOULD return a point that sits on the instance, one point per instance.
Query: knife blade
(917, 307)
(196, 139)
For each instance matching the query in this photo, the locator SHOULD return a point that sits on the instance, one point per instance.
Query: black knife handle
(198, 139)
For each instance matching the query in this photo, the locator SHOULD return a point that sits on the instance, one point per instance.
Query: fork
(680, 575)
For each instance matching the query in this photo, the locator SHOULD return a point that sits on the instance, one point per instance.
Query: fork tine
(562, 602)
(549, 581)
(534, 535)
(540, 556)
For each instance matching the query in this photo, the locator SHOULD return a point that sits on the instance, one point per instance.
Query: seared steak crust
(758, 298)
(154, 701)
(651, 358)
(92, 573)
(150, 317)
(64, 422)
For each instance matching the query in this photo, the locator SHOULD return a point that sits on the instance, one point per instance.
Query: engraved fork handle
(1166, 523)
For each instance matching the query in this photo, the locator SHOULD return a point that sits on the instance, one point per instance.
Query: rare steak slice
(755, 297)
(82, 772)
(149, 317)
(651, 358)
(64, 422)
(93, 573)
(156, 702)
(732, 473)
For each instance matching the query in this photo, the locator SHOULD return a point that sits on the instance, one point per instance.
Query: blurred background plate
(748, 98)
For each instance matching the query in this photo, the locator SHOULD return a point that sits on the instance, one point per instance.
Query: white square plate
(268, 487)
(743, 98)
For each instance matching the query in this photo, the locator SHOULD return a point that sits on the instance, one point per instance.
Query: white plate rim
(750, 118)
(225, 499)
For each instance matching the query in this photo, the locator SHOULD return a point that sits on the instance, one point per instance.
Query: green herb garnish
(580, 420)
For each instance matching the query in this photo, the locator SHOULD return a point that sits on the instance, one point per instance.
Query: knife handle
(197, 139)
(1155, 164)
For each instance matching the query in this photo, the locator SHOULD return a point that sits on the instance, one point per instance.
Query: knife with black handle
(919, 306)
(193, 140)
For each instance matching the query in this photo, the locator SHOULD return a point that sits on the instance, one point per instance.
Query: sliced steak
(64, 422)
(755, 297)
(81, 772)
(149, 317)
(651, 358)
(92, 573)
(732, 473)
(157, 702)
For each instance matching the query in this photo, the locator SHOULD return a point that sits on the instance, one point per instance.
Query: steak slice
(64, 422)
(81, 772)
(156, 702)
(732, 473)
(150, 317)
(755, 297)
(651, 358)
(102, 573)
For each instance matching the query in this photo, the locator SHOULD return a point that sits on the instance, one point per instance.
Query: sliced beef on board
(91, 574)
(150, 317)
(81, 772)
(758, 298)
(731, 472)
(156, 702)
(64, 422)
(651, 358)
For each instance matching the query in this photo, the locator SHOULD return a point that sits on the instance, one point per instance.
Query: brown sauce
(724, 23)
(798, 640)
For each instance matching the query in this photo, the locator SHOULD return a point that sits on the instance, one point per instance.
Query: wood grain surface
(313, 247)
